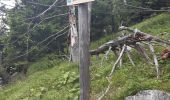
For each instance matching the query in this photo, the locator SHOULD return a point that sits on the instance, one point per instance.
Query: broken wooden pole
(74, 45)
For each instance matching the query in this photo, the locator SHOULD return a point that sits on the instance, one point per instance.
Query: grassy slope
(53, 80)
(128, 80)
(47, 80)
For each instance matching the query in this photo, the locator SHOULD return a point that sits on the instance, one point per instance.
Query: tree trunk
(74, 36)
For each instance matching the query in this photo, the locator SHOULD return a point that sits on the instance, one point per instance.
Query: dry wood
(130, 58)
(74, 47)
(84, 56)
(117, 61)
(155, 59)
(134, 41)
(143, 53)
(121, 60)
(107, 89)
(145, 36)
(130, 39)
(107, 53)
(106, 56)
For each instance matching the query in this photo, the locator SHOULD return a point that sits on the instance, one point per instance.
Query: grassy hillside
(156, 25)
(52, 79)
(57, 83)
(128, 80)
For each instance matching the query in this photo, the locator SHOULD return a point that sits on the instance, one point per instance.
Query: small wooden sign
(74, 2)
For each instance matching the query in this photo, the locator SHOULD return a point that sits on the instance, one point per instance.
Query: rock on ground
(150, 95)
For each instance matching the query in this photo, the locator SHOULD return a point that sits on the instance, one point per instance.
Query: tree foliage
(107, 15)
(28, 28)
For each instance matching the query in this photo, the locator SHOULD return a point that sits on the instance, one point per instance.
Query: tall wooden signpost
(84, 42)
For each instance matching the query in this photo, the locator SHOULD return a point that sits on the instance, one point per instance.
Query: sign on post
(84, 13)
(74, 2)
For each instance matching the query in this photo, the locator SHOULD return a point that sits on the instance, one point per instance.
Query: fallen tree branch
(106, 55)
(106, 91)
(117, 61)
(130, 58)
(155, 59)
(130, 39)
(143, 53)
(146, 36)
(121, 60)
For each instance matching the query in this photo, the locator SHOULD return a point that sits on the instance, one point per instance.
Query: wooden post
(84, 55)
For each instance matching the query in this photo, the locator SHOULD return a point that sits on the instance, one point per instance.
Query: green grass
(52, 79)
(57, 83)
(156, 25)
(103, 40)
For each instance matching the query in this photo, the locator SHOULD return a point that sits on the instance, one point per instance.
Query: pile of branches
(134, 40)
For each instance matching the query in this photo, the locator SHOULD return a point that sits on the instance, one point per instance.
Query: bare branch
(143, 53)
(117, 61)
(146, 36)
(155, 58)
(130, 58)
(107, 89)
(45, 11)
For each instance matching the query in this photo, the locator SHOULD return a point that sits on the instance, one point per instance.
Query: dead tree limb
(130, 39)
(109, 78)
(146, 36)
(121, 60)
(106, 55)
(117, 61)
(106, 91)
(130, 58)
(143, 53)
(155, 59)
(102, 48)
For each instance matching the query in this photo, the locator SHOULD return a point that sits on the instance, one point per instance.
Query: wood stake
(84, 55)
